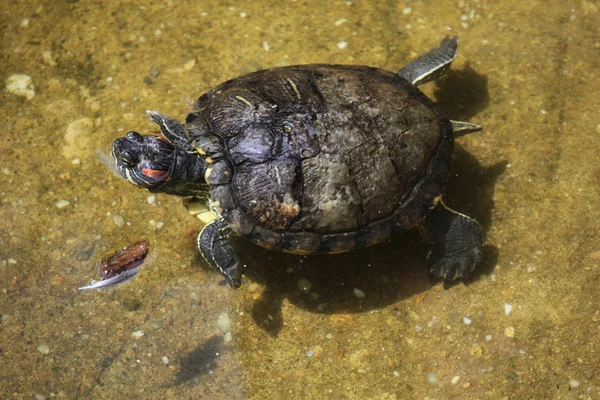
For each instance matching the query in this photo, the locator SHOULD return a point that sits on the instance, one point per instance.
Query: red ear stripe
(154, 173)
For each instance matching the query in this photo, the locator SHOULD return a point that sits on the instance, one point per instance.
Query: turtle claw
(452, 267)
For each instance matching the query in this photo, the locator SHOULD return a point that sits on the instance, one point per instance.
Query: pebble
(228, 337)
(304, 285)
(21, 85)
(224, 323)
(119, 220)
(432, 378)
(12, 261)
(359, 293)
(6, 171)
(138, 334)
(77, 137)
(189, 65)
(165, 360)
(151, 199)
(488, 338)
(455, 379)
(510, 332)
(310, 353)
(574, 383)
(266, 46)
(407, 11)
(507, 309)
(62, 203)
(342, 45)
(329, 336)
(44, 349)
(396, 374)
(40, 396)
(467, 320)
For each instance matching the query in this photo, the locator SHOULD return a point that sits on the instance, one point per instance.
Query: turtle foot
(457, 242)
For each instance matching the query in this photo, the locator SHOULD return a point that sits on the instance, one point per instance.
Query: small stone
(510, 332)
(455, 379)
(432, 378)
(6, 171)
(396, 374)
(40, 397)
(24, 23)
(304, 285)
(21, 85)
(159, 224)
(340, 21)
(189, 65)
(228, 337)
(507, 309)
(310, 353)
(266, 46)
(359, 293)
(595, 255)
(329, 336)
(138, 334)
(467, 320)
(62, 203)
(477, 350)
(406, 10)
(488, 338)
(466, 385)
(119, 220)
(44, 349)
(151, 199)
(77, 138)
(12, 261)
(574, 383)
(224, 323)
(165, 360)
(342, 45)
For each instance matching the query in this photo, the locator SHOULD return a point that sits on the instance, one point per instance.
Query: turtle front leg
(456, 243)
(432, 64)
(214, 246)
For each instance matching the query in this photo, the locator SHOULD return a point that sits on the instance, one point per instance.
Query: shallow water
(526, 326)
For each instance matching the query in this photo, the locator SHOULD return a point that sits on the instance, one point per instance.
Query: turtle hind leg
(213, 243)
(432, 64)
(456, 243)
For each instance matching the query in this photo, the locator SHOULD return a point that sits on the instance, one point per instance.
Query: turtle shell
(321, 158)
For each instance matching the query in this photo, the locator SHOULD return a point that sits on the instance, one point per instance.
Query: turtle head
(154, 163)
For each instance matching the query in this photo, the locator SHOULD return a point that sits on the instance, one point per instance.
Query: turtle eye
(128, 159)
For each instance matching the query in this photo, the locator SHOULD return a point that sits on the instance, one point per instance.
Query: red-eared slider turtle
(314, 159)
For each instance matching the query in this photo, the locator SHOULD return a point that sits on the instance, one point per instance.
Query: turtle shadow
(370, 278)
(462, 94)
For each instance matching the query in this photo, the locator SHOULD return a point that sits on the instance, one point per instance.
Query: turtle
(313, 159)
